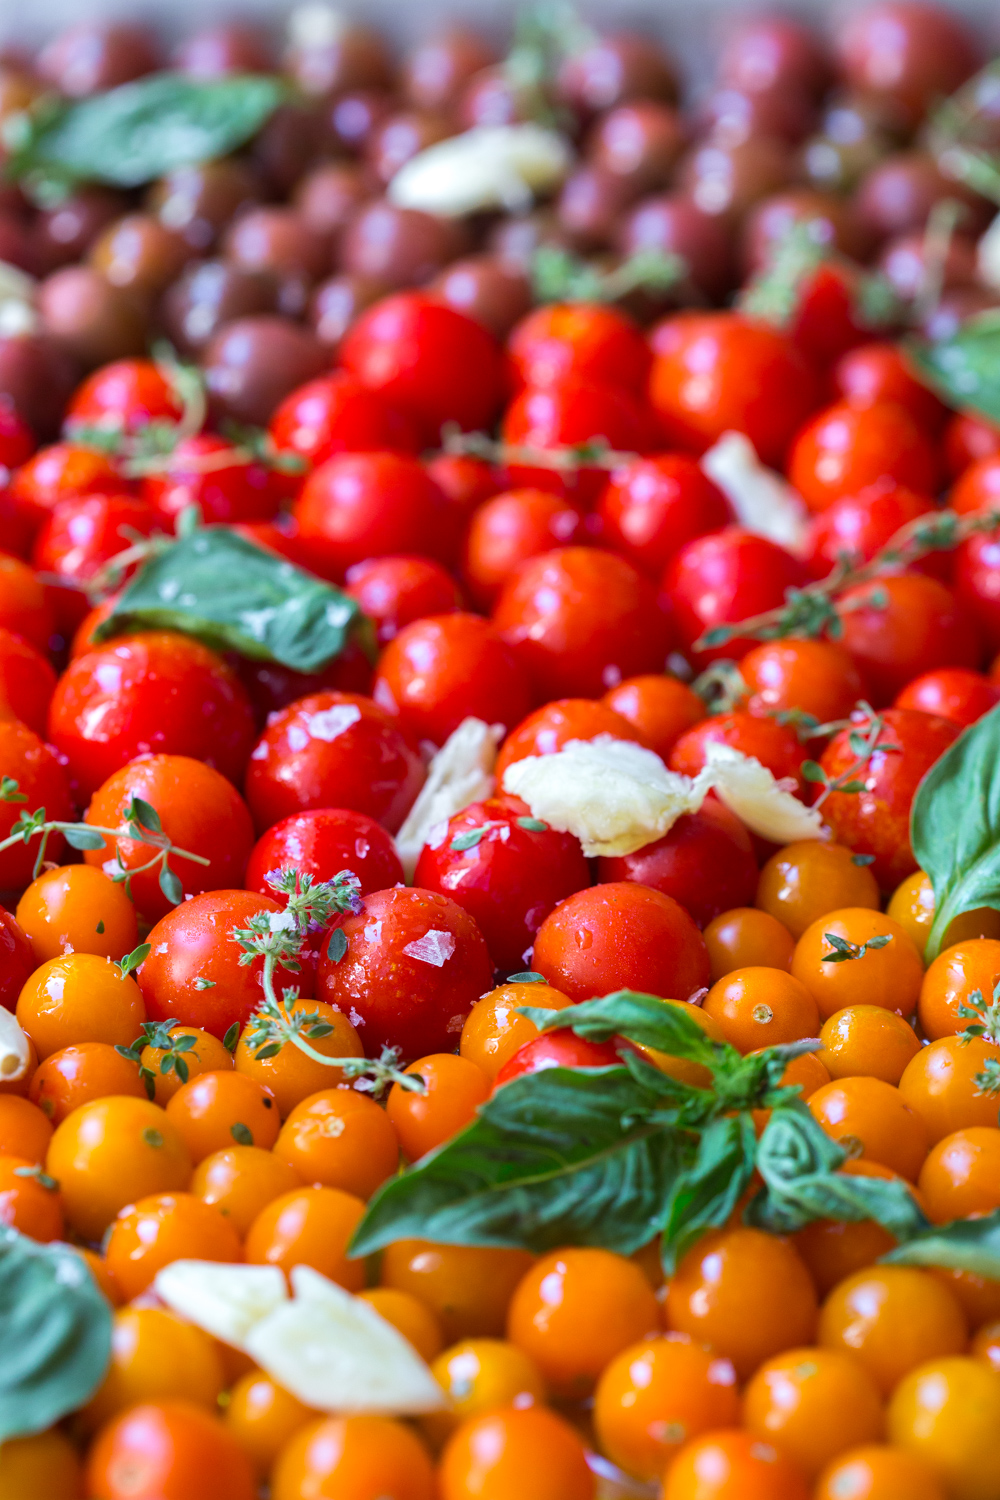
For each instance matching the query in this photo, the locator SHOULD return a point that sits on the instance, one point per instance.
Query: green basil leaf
(142, 130)
(236, 597)
(704, 1196)
(798, 1162)
(566, 1156)
(55, 1332)
(955, 826)
(642, 1018)
(965, 368)
(79, 836)
(964, 1245)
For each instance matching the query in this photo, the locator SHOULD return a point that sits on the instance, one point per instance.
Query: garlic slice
(336, 1353)
(758, 799)
(461, 772)
(490, 166)
(15, 1049)
(614, 795)
(227, 1301)
(762, 501)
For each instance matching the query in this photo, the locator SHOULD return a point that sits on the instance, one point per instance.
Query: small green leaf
(144, 813)
(153, 1138)
(813, 771)
(99, 929)
(270, 1049)
(10, 791)
(241, 1134)
(862, 859)
(55, 1331)
(132, 960)
(705, 1195)
(320, 1030)
(79, 836)
(971, 1245)
(231, 1037)
(170, 885)
(201, 983)
(527, 976)
(533, 825)
(42, 1178)
(470, 838)
(337, 946)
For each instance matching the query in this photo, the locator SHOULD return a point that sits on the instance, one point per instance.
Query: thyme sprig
(864, 739)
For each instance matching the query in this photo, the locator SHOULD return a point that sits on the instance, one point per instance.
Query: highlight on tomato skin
(499, 744)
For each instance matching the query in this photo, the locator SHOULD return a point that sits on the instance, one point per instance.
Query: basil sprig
(55, 1332)
(955, 826)
(965, 368)
(137, 132)
(617, 1156)
(234, 596)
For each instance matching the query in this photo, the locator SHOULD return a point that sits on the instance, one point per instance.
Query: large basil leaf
(643, 1018)
(798, 1163)
(567, 1156)
(55, 1334)
(965, 368)
(705, 1194)
(236, 597)
(955, 824)
(137, 132)
(963, 1245)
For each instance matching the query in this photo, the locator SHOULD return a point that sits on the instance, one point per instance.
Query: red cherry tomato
(506, 870)
(395, 591)
(441, 670)
(159, 693)
(580, 620)
(952, 693)
(621, 936)
(902, 625)
(509, 529)
(17, 523)
(27, 681)
(724, 578)
(337, 414)
(568, 415)
(653, 507)
(878, 372)
(415, 965)
(79, 537)
(774, 745)
(858, 526)
(42, 782)
(17, 441)
(978, 486)
(321, 843)
(847, 447)
(333, 749)
(360, 505)
(197, 474)
(124, 396)
(60, 471)
(967, 439)
(549, 728)
(562, 1049)
(428, 359)
(706, 863)
(17, 961)
(977, 583)
(195, 942)
(463, 480)
(876, 820)
(658, 708)
(719, 372)
(580, 341)
(828, 317)
(24, 603)
(814, 677)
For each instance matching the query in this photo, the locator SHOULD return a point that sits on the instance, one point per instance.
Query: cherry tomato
(967, 439)
(42, 783)
(17, 441)
(506, 870)
(878, 372)
(652, 507)
(197, 473)
(568, 415)
(79, 537)
(548, 729)
(168, 1450)
(813, 677)
(321, 843)
(395, 591)
(17, 960)
(953, 693)
(330, 750)
(124, 396)
(562, 1049)
(580, 341)
(718, 372)
(510, 528)
(27, 681)
(723, 578)
(977, 583)
(465, 481)
(337, 414)
(61, 471)
(658, 708)
(773, 744)
(859, 525)
(902, 625)
(25, 607)
(847, 447)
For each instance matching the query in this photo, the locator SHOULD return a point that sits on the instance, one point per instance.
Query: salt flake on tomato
(758, 798)
(433, 948)
(762, 501)
(227, 1301)
(613, 795)
(461, 772)
(336, 1353)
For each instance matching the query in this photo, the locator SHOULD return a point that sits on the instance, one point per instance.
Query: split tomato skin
(414, 966)
(321, 842)
(876, 820)
(333, 749)
(508, 879)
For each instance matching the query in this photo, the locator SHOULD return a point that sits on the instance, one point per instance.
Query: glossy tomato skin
(978, 486)
(653, 507)
(17, 441)
(581, 620)
(125, 395)
(723, 578)
(195, 941)
(621, 936)
(580, 341)
(428, 359)
(565, 415)
(43, 783)
(332, 749)
(509, 879)
(225, 493)
(509, 529)
(147, 694)
(168, 1450)
(60, 471)
(847, 447)
(967, 439)
(706, 863)
(876, 820)
(27, 681)
(977, 583)
(775, 745)
(360, 505)
(337, 414)
(415, 965)
(17, 962)
(78, 538)
(321, 843)
(953, 693)
(464, 480)
(715, 372)
(549, 728)
(395, 591)
(562, 1049)
(902, 625)
(441, 670)
(878, 371)
(860, 525)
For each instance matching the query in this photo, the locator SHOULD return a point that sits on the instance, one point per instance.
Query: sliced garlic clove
(15, 1049)
(227, 1301)
(336, 1353)
(488, 167)
(614, 795)
(758, 799)
(762, 501)
(461, 772)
